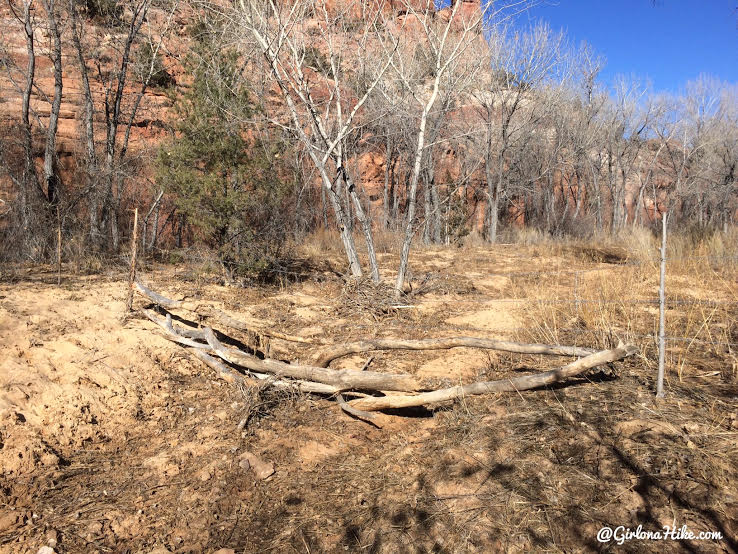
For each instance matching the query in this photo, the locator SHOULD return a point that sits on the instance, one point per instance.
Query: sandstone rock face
(151, 117)
(469, 11)
(388, 7)
(419, 6)
(155, 110)
(470, 8)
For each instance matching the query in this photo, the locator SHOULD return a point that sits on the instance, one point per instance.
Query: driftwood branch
(163, 301)
(224, 372)
(180, 336)
(516, 384)
(408, 392)
(355, 412)
(327, 355)
(184, 337)
(222, 317)
(342, 380)
(232, 376)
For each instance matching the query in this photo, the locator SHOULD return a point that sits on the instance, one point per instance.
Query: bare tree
(688, 133)
(586, 126)
(508, 106)
(723, 162)
(115, 83)
(386, 125)
(29, 185)
(628, 122)
(447, 43)
(323, 111)
(51, 176)
(109, 62)
(88, 117)
(37, 199)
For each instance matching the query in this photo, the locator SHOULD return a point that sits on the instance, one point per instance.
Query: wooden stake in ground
(132, 274)
(662, 310)
(58, 247)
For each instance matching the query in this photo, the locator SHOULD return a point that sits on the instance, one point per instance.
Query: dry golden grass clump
(618, 300)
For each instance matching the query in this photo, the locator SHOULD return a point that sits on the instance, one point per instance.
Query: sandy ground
(113, 439)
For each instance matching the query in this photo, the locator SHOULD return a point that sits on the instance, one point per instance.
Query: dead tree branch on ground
(375, 391)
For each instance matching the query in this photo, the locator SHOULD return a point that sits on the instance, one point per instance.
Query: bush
(106, 11)
(151, 66)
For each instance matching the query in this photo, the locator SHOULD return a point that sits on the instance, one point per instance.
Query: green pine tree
(229, 184)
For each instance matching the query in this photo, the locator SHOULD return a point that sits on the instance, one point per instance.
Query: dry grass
(608, 304)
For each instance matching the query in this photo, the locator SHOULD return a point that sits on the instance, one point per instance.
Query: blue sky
(668, 41)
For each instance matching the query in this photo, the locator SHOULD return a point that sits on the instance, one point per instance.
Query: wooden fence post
(662, 310)
(58, 247)
(132, 274)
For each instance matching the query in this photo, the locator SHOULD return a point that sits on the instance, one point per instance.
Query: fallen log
(222, 317)
(516, 384)
(224, 372)
(180, 336)
(327, 355)
(325, 381)
(163, 301)
(342, 380)
(184, 336)
(232, 376)
(335, 351)
(368, 417)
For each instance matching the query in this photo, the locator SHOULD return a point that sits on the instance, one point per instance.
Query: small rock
(94, 528)
(46, 550)
(261, 469)
(52, 538)
(225, 551)
(205, 475)
(8, 520)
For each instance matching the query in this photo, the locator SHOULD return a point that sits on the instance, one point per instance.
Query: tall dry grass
(603, 303)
